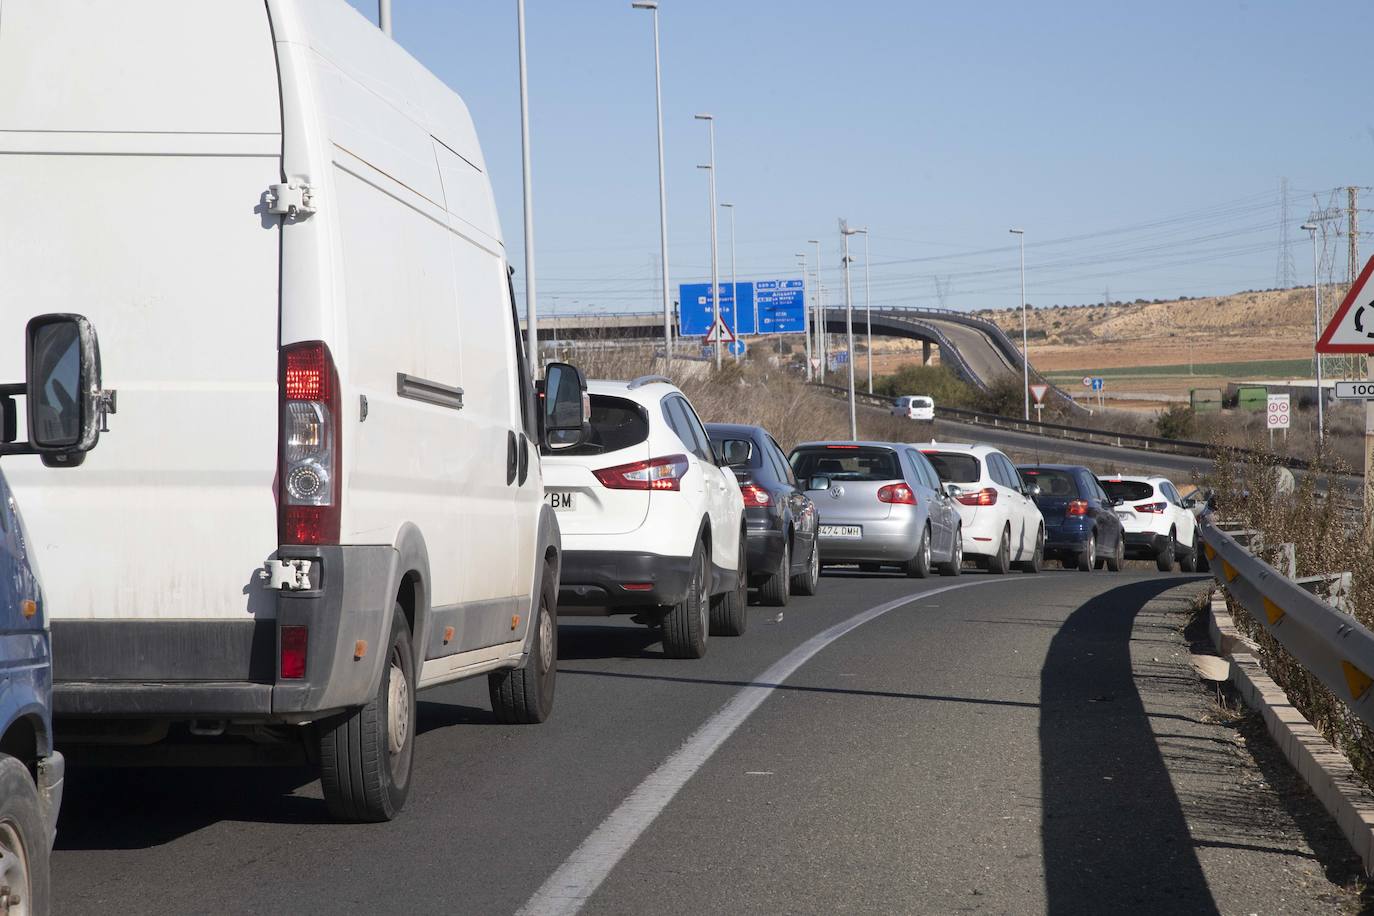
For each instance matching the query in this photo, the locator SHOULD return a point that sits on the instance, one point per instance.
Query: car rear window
(922, 402)
(1052, 483)
(846, 462)
(1129, 490)
(954, 467)
(616, 423)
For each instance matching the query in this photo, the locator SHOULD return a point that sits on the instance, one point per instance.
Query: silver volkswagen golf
(880, 504)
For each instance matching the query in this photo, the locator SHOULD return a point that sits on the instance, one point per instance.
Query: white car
(914, 407)
(651, 524)
(1159, 523)
(1002, 525)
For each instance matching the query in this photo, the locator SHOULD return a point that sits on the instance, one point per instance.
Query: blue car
(1081, 525)
(65, 407)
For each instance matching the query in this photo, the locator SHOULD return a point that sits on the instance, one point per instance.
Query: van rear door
(138, 142)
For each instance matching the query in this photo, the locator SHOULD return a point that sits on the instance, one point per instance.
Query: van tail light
(309, 470)
(984, 497)
(1077, 507)
(1152, 508)
(655, 474)
(898, 494)
(293, 644)
(755, 496)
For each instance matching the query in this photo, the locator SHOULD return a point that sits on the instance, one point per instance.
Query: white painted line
(568, 888)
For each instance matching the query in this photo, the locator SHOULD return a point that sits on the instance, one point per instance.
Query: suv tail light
(655, 474)
(309, 472)
(1152, 508)
(755, 496)
(898, 493)
(1077, 507)
(984, 497)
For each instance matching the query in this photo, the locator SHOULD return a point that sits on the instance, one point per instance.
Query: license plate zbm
(842, 531)
(562, 502)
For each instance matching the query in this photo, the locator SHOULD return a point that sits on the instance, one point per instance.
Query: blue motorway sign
(780, 307)
(1099, 384)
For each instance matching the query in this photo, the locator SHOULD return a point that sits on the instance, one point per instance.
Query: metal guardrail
(1332, 645)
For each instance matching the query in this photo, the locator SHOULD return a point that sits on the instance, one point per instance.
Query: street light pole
(384, 17)
(819, 323)
(531, 303)
(662, 192)
(1025, 354)
(868, 311)
(734, 286)
(806, 315)
(1317, 329)
(845, 233)
(715, 254)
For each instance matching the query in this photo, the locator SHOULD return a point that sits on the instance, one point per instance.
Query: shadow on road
(577, 643)
(1114, 835)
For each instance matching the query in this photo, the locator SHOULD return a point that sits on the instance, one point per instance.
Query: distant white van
(914, 407)
(324, 490)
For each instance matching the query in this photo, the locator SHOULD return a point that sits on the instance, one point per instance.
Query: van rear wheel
(23, 840)
(367, 755)
(524, 695)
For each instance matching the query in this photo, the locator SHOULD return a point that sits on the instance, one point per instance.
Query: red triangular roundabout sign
(1352, 327)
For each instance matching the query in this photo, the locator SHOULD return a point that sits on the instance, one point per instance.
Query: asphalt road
(992, 748)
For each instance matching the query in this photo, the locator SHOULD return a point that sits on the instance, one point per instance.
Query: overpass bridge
(978, 351)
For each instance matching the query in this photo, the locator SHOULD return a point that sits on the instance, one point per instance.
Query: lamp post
(734, 286)
(715, 259)
(1311, 229)
(384, 17)
(531, 303)
(845, 233)
(806, 314)
(868, 311)
(652, 5)
(1025, 355)
(819, 323)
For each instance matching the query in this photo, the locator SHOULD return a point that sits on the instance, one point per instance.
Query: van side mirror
(566, 412)
(65, 405)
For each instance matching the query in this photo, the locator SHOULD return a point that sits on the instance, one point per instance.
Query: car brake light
(655, 474)
(308, 502)
(1152, 508)
(898, 493)
(754, 495)
(984, 497)
(1077, 507)
(293, 643)
(841, 446)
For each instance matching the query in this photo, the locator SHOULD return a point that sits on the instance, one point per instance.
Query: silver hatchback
(880, 504)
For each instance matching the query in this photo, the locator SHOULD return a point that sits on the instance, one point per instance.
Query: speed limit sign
(1279, 413)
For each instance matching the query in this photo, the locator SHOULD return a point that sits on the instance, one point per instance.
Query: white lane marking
(568, 888)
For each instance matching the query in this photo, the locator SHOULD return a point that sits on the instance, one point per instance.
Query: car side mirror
(1033, 490)
(565, 417)
(65, 405)
(736, 453)
(1118, 501)
(1189, 502)
(953, 490)
(818, 483)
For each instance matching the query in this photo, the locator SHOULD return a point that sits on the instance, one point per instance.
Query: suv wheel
(1189, 561)
(729, 610)
(1164, 560)
(687, 625)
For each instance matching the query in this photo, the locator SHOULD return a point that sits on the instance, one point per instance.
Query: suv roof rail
(649, 380)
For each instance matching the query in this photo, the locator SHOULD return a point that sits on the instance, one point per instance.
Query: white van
(324, 493)
(914, 407)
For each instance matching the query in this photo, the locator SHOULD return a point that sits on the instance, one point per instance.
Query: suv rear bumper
(1144, 543)
(219, 668)
(593, 581)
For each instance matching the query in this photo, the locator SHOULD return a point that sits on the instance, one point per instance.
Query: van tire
(730, 610)
(687, 624)
(524, 695)
(777, 588)
(363, 780)
(24, 837)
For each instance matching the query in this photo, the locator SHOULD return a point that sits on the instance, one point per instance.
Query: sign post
(1279, 416)
(1352, 331)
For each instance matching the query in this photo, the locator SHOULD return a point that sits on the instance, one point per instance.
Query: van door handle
(512, 457)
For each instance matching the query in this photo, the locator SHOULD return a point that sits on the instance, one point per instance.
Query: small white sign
(1355, 391)
(1087, 381)
(1279, 413)
(1038, 392)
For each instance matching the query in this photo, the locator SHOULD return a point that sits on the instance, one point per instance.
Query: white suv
(914, 407)
(1002, 525)
(651, 525)
(1158, 522)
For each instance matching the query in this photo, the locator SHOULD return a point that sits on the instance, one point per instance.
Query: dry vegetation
(1319, 529)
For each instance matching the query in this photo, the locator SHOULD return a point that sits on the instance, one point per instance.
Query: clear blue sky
(1140, 145)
